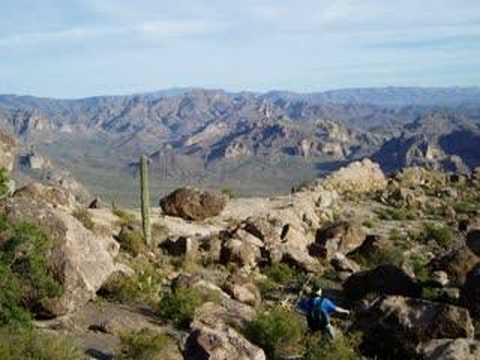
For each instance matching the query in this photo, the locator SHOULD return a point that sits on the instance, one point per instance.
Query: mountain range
(249, 143)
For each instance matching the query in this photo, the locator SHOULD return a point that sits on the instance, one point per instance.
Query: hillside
(222, 275)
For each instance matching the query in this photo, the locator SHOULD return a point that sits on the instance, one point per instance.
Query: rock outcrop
(450, 349)
(193, 204)
(395, 326)
(213, 337)
(342, 237)
(358, 177)
(456, 263)
(80, 259)
(470, 294)
(383, 280)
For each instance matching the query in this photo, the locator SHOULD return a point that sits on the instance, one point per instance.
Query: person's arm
(342, 310)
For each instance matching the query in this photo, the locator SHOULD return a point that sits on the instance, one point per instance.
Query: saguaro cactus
(145, 200)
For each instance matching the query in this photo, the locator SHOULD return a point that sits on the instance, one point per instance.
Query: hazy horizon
(86, 48)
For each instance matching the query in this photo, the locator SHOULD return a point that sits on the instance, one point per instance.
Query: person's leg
(330, 330)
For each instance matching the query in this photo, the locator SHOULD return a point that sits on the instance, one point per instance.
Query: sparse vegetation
(142, 287)
(84, 217)
(440, 233)
(124, 216)
(131, 241)
(145, 345)
(342, 348)
(277, 331)
(27, 344)
(396, 214)
(3, 183)
(26, 278)
(179, 305)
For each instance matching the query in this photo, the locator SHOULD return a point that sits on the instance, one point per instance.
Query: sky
(80, 48)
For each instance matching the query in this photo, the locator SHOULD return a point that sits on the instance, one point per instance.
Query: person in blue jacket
(318, 310)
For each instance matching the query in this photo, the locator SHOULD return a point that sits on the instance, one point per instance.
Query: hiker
(318, 310)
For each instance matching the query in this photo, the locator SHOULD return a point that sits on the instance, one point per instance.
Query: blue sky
(77, 48)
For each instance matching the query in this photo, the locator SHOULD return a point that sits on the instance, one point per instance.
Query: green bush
(397, 214)
(341, 348)
(142, 287)
(280, 273)
(26, 278)
(27, 344)
(124, 216)
(442, 234)
(277, 332)
(179, 306)
(145, 345)
(84, 217)
(3, 183)
(132, 241)
(466, 207)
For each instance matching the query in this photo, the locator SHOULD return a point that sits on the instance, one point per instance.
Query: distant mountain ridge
(256, 143)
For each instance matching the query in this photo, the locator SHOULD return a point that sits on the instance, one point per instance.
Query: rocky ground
(401, 252)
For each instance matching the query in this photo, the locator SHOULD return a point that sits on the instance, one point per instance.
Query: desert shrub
(179, 306)
(3, 183)
(343, 347)
(26, 278)
(11, 309)
(419, 267)
(124, 216)
(229, 193)
(465, 207)
(397, 214)
(132, 241)
(280, 273)
(142, 287)
(27, 344)
(84, 217)
(145, 345)
(277, 332)
(442, 234)
(388, 255)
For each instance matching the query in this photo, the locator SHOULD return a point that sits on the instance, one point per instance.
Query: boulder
(450, 349)
(470, 292)
(473, 241)
(55, 196)
(456, 263)
(358, 177)
(193, 204)
(343, 264)
(242, 289)
(8, 147)
(81, 260)
(384, 280)
(183, 246)
(394, 326)
(213, 336)
(244, 254)
(342, 237)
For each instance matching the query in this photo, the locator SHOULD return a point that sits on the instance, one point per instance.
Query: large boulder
(393, 327)
(7, 151)
(342, 237)
(214, 338)
(358, 177)
(80, 259)
(473, 241)
(470, 293)
(193, 204)
(384, 280)
(451, 349)
(456, 263)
